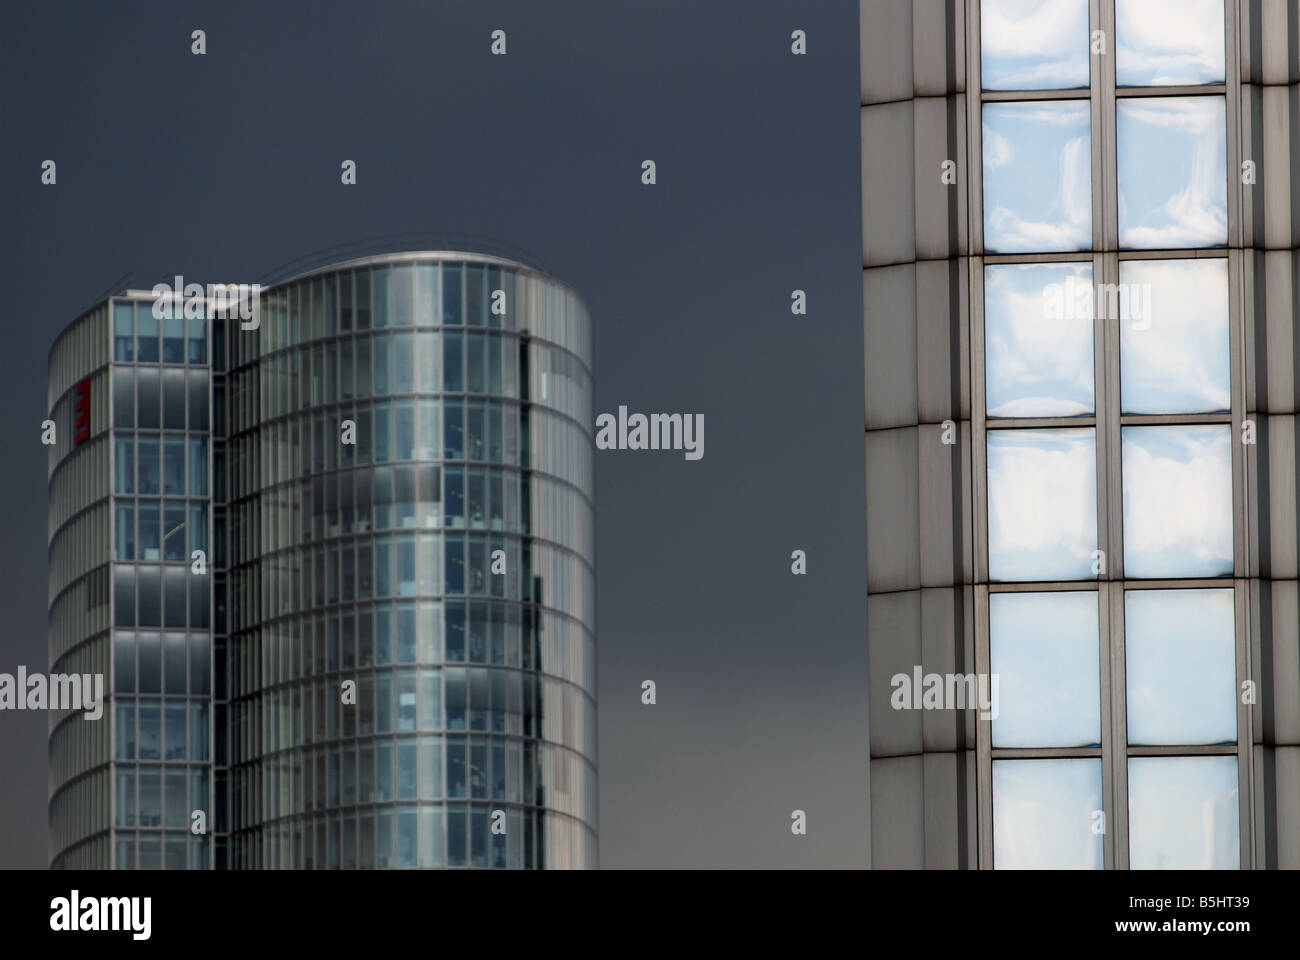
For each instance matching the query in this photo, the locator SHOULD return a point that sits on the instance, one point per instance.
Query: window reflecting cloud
(1037, 177)
(1033, 44)
(1172, 172)
(1043, 812)
(1181, 666)
(1178, 501)
(1043, 649)
(1161, 42)
(1174, 357)
(1183, 813)
(1042, 500)
(1038, 340)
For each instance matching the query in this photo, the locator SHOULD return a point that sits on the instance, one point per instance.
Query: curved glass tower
(407, 548)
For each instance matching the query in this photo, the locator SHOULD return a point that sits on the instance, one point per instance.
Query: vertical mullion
(979, 477)
(1241, 506)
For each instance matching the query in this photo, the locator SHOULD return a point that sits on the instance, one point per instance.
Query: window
(1037, 179)
(1184, 813)
(1164, 42)
(1181, 666)
(1042, 504)
(1174, 336)
(1044, 811)
(1038, 338)
(1044, 652)
(1178, 501)
(1034, 44)
(1172, 172)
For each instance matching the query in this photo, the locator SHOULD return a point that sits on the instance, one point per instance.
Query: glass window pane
(1172, 167)
(147, 476)
(1037, 177)
(150, 742)
(1183, 813)
(174, 399)
(124, 665)
(198, 344)
(1181, 670)
(1178, 501)
(174, 730)
(1043, 814)
(1038, 321)
(147, 390)
(1162, 42)
(1174, 336)
(174, 466)
(146, 325)
(174, 339)
(150, 547)
(198, 392)
(1042, 504)
(125, 729)
(1034, 44)
(123, 397)
(123, 332)
(1044, 656)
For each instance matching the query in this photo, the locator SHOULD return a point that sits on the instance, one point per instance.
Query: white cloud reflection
(1034, 44)
(1042, 503)
(1172, 170)
(1177, 501)
(1037, 177)
(1179, 363)
(1161, 42)
(1037, 365)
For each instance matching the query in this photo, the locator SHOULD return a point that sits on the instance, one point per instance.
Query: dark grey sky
(226, 166)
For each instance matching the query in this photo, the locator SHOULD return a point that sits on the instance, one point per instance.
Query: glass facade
(411, 618)
(338, 571)
(1105, 429)
(162, 589)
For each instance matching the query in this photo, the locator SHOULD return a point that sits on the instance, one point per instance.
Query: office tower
(1081, 292)
(389, 657)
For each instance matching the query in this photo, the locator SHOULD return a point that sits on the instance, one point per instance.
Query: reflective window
(451, 294)
(174, 339)
(123, 397)
(1177, 501)
(1043, 814)
(1042, 504)
(123, 332)
(147, 389)
(198, 341)
(1044, 653)
(1164, 42)
(1033, 44)
(150, 543)
(1181, 669)
(1037, 177)
(146, 333)
(1172, 171)
(1174, 336)
(1038, 335)
(1183, 813)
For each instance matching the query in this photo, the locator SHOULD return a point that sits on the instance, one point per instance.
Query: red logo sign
(82, 411)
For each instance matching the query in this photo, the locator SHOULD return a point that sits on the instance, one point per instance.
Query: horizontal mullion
(1044, 753)
(1001, 96)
